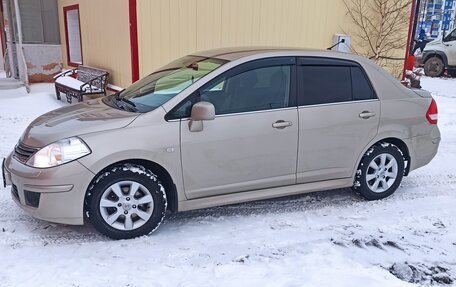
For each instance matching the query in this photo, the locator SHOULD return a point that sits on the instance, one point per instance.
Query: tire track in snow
(19, 226)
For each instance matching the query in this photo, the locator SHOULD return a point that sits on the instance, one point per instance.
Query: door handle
(366, 114)
(281, 124)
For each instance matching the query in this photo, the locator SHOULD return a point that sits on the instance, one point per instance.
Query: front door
(252, 143)
(338, 116)
(450, 43)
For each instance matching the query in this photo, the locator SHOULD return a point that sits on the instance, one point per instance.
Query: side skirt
(263, 194)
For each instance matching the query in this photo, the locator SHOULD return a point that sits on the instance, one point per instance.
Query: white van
(439, 55)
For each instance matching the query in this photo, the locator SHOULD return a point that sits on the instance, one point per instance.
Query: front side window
(159, 87)
(451, 36)
(246, 90)
(259, 89)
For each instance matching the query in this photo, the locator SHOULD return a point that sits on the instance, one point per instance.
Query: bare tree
(380, 29)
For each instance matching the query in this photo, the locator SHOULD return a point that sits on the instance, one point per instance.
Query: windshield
(157, 88)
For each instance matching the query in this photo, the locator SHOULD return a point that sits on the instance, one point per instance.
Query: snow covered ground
(322, 239)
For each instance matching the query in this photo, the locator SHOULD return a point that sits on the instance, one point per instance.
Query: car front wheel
(434, 67)
(126, 201)
(380, 172)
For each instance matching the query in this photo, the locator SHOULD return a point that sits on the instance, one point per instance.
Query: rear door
(338, 116)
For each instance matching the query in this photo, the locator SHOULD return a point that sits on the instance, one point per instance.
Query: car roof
(235, 53)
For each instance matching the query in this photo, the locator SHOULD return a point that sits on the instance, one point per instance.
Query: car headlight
(59, 152)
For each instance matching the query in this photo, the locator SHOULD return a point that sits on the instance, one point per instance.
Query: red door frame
(133, 20)
(65, 10)
(409, 36)
(2, 26)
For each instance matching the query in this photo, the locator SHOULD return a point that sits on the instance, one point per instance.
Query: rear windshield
(159, 87)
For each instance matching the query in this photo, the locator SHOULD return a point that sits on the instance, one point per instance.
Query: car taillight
(432, 114)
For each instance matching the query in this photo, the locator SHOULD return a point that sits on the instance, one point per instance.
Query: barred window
(39, 19)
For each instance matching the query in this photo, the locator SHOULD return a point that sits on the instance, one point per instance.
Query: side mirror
(202, 111)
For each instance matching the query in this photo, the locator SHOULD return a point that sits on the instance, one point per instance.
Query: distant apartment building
(448, 15)
(436, 16)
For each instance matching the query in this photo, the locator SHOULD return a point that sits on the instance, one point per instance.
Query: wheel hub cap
(126, 205)
(381, 173)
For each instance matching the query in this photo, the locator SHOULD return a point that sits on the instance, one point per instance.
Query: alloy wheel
(126, 205)
(381, 173)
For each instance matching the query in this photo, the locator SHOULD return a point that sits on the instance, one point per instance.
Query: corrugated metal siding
(105, 36)
(170, 29)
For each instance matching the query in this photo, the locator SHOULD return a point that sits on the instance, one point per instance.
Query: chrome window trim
(285, 109)
(242, 113)
(339, 103)
(256, 112)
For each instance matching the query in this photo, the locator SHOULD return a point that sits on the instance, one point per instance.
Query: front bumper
(53, 194)
(5, 175)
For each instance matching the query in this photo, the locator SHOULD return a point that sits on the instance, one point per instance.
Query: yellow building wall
(173, 28)
(105, 37)
(168, 29)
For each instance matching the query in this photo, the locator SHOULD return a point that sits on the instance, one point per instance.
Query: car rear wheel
(380, 172)
(126, 202)
(434, 67)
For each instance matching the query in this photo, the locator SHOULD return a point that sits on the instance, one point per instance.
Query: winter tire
(452, 73)
(126, 201)
(380, 172)
(434, 67)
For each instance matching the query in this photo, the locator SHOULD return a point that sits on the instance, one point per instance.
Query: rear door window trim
(327, 61)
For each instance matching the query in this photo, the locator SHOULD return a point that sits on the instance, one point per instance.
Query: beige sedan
(222, 127)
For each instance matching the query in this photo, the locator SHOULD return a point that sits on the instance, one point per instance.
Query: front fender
(431, 53)
(157, 143)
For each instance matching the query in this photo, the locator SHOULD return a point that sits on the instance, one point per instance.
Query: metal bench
(81, 81)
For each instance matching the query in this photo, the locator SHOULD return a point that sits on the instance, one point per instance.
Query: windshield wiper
(120, 102)
(128, 102)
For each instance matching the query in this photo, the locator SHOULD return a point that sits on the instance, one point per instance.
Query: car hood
(88, 117)
(433, 44)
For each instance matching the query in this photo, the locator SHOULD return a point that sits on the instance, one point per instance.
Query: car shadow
(44, 233)
(287, 204)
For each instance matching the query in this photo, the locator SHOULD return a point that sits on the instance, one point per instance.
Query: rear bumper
(423, 148)
(54, 194)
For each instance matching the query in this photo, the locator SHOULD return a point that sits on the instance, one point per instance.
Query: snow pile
(322, 239)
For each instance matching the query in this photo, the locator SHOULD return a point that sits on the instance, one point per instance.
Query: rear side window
(324, 84)
(332, 82)
(360, 85)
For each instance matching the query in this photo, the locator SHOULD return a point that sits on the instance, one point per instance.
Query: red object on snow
(410, 62)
